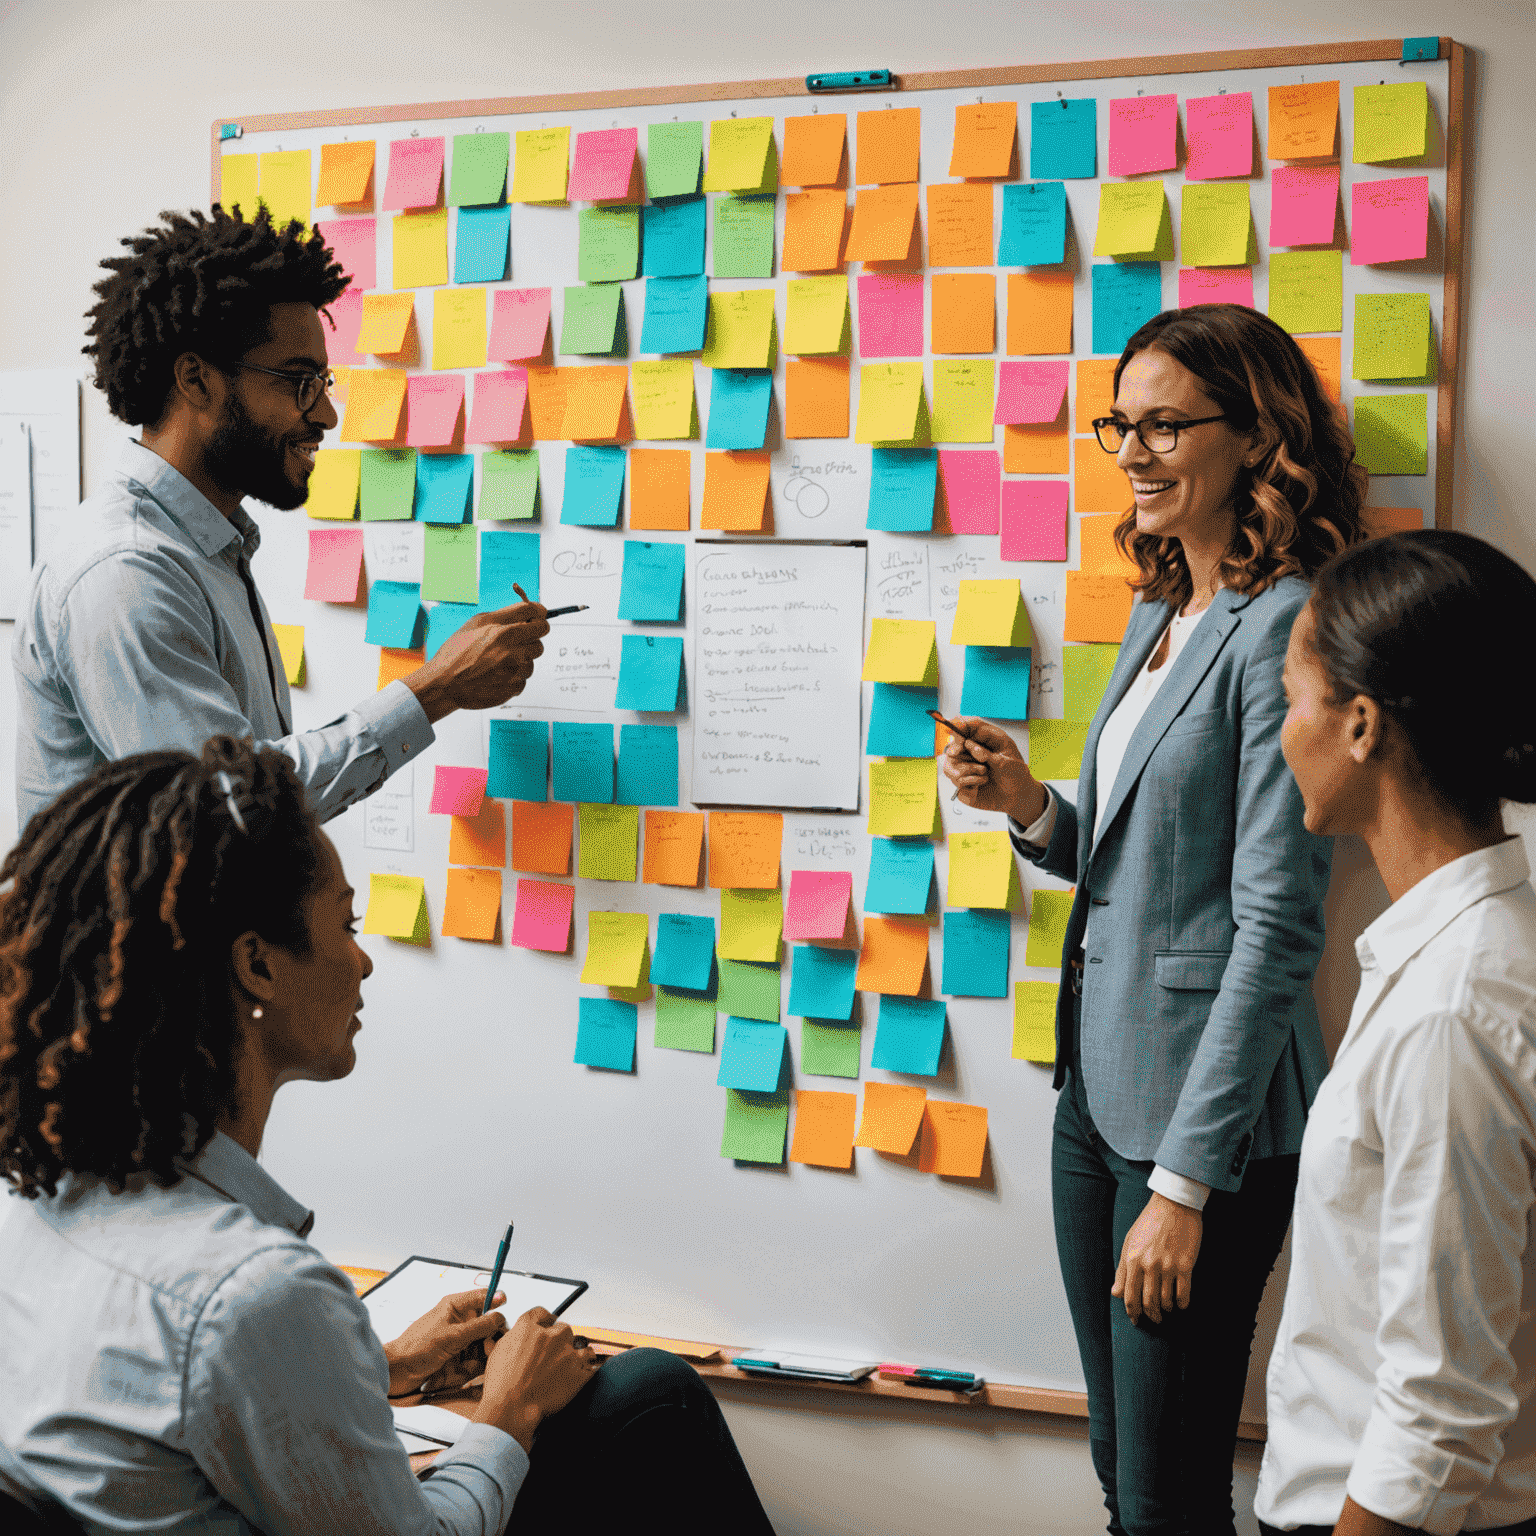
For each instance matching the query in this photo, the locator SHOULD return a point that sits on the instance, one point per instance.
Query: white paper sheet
(48, 400)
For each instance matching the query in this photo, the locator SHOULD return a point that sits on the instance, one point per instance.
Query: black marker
(553, 613)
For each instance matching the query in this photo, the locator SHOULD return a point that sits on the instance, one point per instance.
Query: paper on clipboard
(419, 1284)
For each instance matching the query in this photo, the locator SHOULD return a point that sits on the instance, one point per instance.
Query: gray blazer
(1200, 908)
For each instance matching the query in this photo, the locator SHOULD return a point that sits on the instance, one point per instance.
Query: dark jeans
(1163, 1398)
(642, 1446)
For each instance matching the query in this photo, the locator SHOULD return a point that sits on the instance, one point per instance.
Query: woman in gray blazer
(1187, 1037)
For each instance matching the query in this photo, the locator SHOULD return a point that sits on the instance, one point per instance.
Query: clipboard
(413, 1288)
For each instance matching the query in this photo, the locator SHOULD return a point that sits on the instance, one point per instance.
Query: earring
(257, 1013)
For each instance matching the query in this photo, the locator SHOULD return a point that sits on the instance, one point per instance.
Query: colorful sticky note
(1219, 135)
(1034, 229)
(375, 402)
(1303, 204)
(541, 837)
(1085, 674)
(397, 908)
(984, 139)
(539, 171)
(596, 406)
(1216, 225)
(1306, 290)
(735, 491)
(335, 565)
(546, 401)
(618, 949)
(1134, 223)
(647, 772)
(1303, 121)
(891, 405)
(909, 1035)
(904, 797)
(333, 484)
(1048, 915)
(899, 724)
(1391, 434)
(884, 224)
(813, 149)
(395, 665)
(606, 1030)
(741, 329)
(822, 982)
(352, 243)
(443, 620)
(991, 613)
(902, 486)
(481, 244)
(1034, 1021)
(583, 762)
(394, 614)
(1040, 311)
(816, 397)
(887, 145)
(480, 839)
(673, 244)
(830, 1048)
(1034, 520)
(743, 237)
(1389, 220)
(650, 672)
(684, 1022)
(594, 486)
(744, 849)
(685, 951)
(1143, 134)
(755, 1126)
(1382, 520)
(479, 168)
(421, 249)
(954, 1140)
(1063, 140)
(541, 917)
(415, 173)
(1036, 450)
(751, 925)
(345, 171)
(608, 247)
(346, 315)
(1393, 336)
(604, 166)
(518, 756)
(285, 185)
(890, 314)
(816, 320)
(742, 156)
(443, 480)
(658, 485)
(237, 184)
(893, 957)
(739, 399)
(748, 990)
(902, 651)
(1098, 607)
(290, 645)
(674, 155)
(676, 313)
(500, 415)
(651, 587)
(818, 904)
(458, 329)
(982, 873)
(963, 390)
(976, 945)
(900, 876)
(823, 1129)
(972, 489)
(1215, 285)
(996, 681)
(959, 226)
(1100, 483)
(1391, 121)
(1056, 748)
(610, 835)
(433, 411)
(674, 841)
(893, 1114)
(508, 560)
(472, 904)
(814, 226)
(1125, 296)
(1099, 552)
(964, 312)
(1095, 391)
(593, 323)
(519, 324)
(1031, 392)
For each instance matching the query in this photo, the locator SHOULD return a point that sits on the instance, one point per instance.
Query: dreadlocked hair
(201, 283)
(119, 1042)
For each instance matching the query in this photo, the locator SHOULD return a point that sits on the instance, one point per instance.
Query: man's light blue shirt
(179, 1360)
(144, 631)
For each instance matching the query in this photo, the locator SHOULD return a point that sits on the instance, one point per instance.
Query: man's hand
(534, 1370)
(1157, 1259)
(483, 664)
(990, 773)
(445, 1348)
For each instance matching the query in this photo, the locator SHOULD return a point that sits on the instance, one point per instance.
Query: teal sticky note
(676, 314)
(996, 681)
(388, 484)
(756, 1126)
(592, 321)
(608, 245)
(673, 243)
(448, 557)
(909, 1035)
(518, 760)
(743, 236)
(902, 485)
(685, 951)
(509, 485)
(738, 407)
(821, 982)
(899, 725)
(583, 762)
(443, 484)
(594, 486)
(605, 1034)
(506, 558)
(1034, 230)
(900, 875)
(749, 988)
(443, 619)
(976, 944)
(651, 589)
(650, 673)
(685, 1021)
(829, 1049)
(674, 159)
(752, 1055)
(394, 614)
(481, 241)
(1063, 140)
(1126, 294)
(647, 765)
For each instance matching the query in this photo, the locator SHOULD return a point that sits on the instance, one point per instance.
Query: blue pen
(501, 1259)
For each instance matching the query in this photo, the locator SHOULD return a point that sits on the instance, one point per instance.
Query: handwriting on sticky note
(744, 849)
(954, 1139)
(893, 1112)
(823, 1128)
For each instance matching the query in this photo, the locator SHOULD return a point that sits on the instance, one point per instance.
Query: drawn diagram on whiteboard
(807, 497)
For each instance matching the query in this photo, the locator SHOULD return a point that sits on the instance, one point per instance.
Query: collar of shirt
(226, 1167)
(208, 528)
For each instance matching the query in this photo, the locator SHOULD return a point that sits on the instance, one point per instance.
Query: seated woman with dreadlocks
(176, 942)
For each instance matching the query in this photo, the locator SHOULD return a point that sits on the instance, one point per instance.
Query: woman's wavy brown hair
(119, 1043)
(1301, 503)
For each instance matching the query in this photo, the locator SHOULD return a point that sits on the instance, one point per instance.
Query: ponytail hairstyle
(119, 1043)
(1431, 624)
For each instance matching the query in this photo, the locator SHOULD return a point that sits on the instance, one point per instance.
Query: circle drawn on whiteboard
(805, 496)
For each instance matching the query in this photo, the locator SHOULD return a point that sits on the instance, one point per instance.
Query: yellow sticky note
(963, 393)
(421, 249)
(472, 904)
(285, 184)
(397, 908)
(1216, 224)
(610, 839)
(290, 643)
(751, 924)
(375, 399)
(1048, 914)
(344, 171)
(1134, 221)
(1056, 748)
(1391, 121)
(386, 321)
(891, 405)
(663, 399)
(1034, 1021)
(740, 333)
(816, 321)
(982, 871)
(902, 651)
(991, 613)
(237, 184)
(617, 949)
(904, 797)
(539, 171)
(742, 157)
(458, 328)
(334, 482)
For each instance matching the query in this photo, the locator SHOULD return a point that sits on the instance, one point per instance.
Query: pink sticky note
(1220, 134)
(1389, 220)
(433, 403)
(341, 344)
(1143, 134)
(542, 917)
(353, 243)
(415, 173)
(605, 160)
(519, 324)
(500, 401)
(818, 903)
(1215, 285)
(1030, 392)
(1034, 520)
(891, 314)
(457, 791)
(1303, 200)
(972, 487)
(335, 564)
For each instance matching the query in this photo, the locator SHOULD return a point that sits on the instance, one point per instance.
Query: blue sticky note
(583, 765)
(672, 242)
(909, 1035)
(443, 482)
(900, 873)
(898, 724)
(902, 486)
(821, 982)
(394, 614)
(976, 943)
(506, 558)
(594, 486)
(1126, 294)
(650, 673)
(676, 313)
(996, 681)
(1034, 232)
(651, 591)
(738, 407)
(480, 244)
(753, 1055)
(518, 760)
(647, 765)
(1063, 140)
(442, 620)
(605, 1034)
(685, 952)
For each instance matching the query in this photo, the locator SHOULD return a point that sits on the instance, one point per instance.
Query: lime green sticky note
(479, 168)
(963, 397)
(509, 486)
(751, 924)
(674, 156)
(742, 156)
(610, 835)
(749, 990)
(1391, 121)
(756, 1125)
(592, 323)
(388, 484)
(1056, 748)
(1034, 1020)
(904, 797)
(1216, 224)
(449, 573)
(1134, 224)
(685, 1021)
(1392, 337)
(1306, 290)
(1048, 914)
(1085, 671)
(743, 240)
(397, 908)
(609, 245)
(617, 953)
(1392, 434)
(829, 1050)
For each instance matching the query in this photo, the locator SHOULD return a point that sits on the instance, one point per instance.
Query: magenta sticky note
(341, 344)
(1219, 131)
(818, 903)
(519, 324)
(457, 791)
(1143, 134)
(972, 488)
(1215, 285)
(891, 314)
(1303, 200)
(1389, 220)
(496, 415)
(433, 403)
(354, 244)
(1034, 520)
(1030, 392)
(335, 564)
(415, 173)
(541, 918)
(605, 160)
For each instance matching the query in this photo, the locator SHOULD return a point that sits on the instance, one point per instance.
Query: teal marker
(852, 80)
(501, 1259)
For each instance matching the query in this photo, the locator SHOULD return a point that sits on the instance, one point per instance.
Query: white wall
(104, 116)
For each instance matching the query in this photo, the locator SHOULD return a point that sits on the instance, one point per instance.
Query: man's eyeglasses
(307, 387)
(1158, 434)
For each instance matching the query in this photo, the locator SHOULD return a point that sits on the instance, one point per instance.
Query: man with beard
(144, 628)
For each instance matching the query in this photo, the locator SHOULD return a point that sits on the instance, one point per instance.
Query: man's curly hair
(201, 283)
(119, 1044)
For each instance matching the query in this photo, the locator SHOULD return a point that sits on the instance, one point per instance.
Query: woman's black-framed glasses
(1158, 434)
(307, 387)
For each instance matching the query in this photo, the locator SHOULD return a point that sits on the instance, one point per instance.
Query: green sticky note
(1048, 914)
(756, 1125)
(674, 159)
(1056, 748)
(1391, 121)
(685, 1021)
(609, 249)
(610, 834)
(1392, 434)
(748, 990)
(829, 1050)
(1392, 337)
(1085, 671)
(1306, 290)
(509, 486)
(743, 240)
(1134, 224)
(388, 484)
(592, 323)
(479, 168)
(449, 573)
(1217, 226)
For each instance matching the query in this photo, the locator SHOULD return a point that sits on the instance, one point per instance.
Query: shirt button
(405, 746)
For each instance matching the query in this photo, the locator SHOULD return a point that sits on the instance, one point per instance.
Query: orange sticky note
(1095, 391)
(674, 841)
(744, 850)
(814, 226)
(1382, 520)
(345, 171)
(1098, 607)
(473, 904)
(1099, 554)
(884, 223)
(596, 403)
(735, 491)
(954, 1139)
(824, 1128)
(546, 402)
(1039, 313)
(1324, 353)
(375, 403)
(959, 226)
(1098, 481)
(813, 149)
(1304, 121)
(393, 664)
(964, 312)
(887, 145)
(1036, 449)
(893, 1112)
(893, 957)
(816, 397)
(481, 839)
(658, 488)
(984, 139)
(541, 836)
